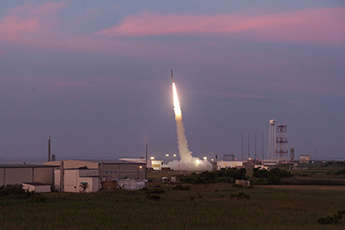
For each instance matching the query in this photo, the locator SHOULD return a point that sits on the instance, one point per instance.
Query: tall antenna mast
(242, 145)
(255, 144)
(49, 149)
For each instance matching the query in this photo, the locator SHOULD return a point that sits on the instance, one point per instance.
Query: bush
(273, 176)
(156, 191)
(38, 198)
(340, 172)
(153, 197)
(12, 190)
(15, 191)
(181, 187)
(274, 180)
(240, 196)
(336, 219)
(223, 175)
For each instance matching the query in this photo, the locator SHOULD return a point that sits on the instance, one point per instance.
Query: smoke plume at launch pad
(187, 161)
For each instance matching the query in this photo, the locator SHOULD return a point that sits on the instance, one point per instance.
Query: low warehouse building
(87, 176)
(12, 174)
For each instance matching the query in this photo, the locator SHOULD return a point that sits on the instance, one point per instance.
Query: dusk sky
(95, 76)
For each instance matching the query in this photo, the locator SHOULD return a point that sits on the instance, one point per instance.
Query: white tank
(272, 122)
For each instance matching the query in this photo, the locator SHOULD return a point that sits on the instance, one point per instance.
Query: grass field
(211, 206)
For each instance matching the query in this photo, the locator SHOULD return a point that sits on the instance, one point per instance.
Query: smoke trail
(187, 162)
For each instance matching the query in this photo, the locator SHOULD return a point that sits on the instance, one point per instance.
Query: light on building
(152, 158)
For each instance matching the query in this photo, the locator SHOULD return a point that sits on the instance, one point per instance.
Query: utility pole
(255, 144)
(248, 145)
(242, 145)
(49, 149)
(262, 145)
(146, 165)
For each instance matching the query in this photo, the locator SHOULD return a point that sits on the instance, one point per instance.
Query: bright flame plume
(177, 107)
(187, 162)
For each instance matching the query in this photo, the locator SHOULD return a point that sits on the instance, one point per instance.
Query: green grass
(209, 206)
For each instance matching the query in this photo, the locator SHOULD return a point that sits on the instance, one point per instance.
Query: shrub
(274, 180)
(336, 219)
(340, 172)
(273, 176)
(181, 187)
(15, 191)
(12, 190)
(240, 196)
(223, 175)
(38, 198)
(156, 191)
(153, 197)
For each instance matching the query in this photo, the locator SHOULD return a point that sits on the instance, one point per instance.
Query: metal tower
(272, 140)
(281, 142)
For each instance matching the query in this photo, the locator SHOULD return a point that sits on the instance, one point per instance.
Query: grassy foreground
(211, 206)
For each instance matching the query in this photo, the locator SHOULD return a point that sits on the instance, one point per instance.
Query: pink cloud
(316, 26)
(28, 19)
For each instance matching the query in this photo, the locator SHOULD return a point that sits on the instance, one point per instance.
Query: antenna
(242, 145)
(49, 149)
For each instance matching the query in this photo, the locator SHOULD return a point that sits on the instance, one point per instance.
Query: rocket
(172, 76)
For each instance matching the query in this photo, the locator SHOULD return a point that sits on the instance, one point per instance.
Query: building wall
(112, 175)
(70, 181)
(18, 175)
(44, 175)
(73, 179)
(92, 184)
(57, 179)
(122, 166)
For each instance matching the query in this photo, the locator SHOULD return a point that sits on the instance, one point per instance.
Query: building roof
(124, 161)
(24, 166)
(35, 183)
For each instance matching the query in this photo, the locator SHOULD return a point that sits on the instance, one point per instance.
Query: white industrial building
(304, 159)
(77, 180)
(229, 164)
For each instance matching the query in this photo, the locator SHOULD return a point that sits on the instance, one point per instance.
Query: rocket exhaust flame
(187, 162)
(177, 107)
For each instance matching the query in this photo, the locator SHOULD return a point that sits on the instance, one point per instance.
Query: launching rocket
(172, 76)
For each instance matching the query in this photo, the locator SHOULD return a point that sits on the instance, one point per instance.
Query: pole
(248, 144)
(146, 164)
(255, 144)
(49, 149)
(242, 145)
(262, 145)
